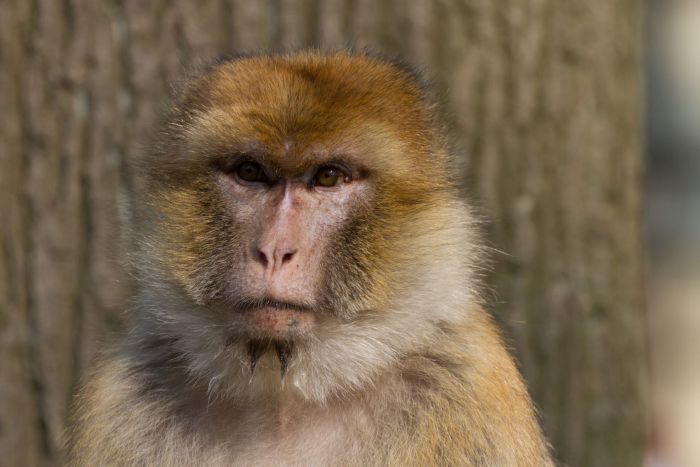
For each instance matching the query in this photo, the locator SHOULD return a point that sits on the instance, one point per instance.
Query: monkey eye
(328, 176)
(249, 171)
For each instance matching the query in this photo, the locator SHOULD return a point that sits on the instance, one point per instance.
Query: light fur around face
(339, 325)
(341, 356)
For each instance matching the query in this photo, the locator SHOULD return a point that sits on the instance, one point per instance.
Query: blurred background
(673, 223)
(579, 127)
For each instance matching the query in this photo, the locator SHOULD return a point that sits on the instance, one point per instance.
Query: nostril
(261, 257)
(288, 256)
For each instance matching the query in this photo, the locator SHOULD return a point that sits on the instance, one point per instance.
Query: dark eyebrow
(227, 160)
(352, 168)
(342, 160)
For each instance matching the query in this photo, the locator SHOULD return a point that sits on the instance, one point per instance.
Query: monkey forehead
(306, 84)
(371, 144)
(299, 106)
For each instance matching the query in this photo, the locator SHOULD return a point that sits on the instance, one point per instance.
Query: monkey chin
(273, 329)
(274, 323)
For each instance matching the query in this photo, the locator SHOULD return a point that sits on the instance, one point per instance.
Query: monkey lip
(277, 319)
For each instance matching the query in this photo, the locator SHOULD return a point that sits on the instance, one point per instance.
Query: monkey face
(293, 197)
(291, 213)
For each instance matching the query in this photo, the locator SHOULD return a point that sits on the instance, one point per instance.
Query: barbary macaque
(306, 288)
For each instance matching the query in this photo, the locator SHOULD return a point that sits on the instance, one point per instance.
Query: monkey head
(300, 203)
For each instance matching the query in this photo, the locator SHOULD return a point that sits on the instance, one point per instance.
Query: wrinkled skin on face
(290, 196)
(288, 222)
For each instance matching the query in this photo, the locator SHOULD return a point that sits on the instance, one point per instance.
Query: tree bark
(544, 102)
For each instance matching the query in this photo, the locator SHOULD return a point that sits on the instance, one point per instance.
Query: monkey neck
(280, 422)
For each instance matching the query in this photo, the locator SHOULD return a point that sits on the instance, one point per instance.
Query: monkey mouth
(251, 304)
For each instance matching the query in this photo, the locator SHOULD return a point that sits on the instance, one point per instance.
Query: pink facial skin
(285, 222)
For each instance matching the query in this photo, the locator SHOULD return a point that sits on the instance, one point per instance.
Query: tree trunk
(544, 101)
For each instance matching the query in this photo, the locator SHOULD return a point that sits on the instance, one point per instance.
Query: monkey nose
(273, 257)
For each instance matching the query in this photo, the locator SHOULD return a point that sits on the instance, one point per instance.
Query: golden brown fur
(397, 365)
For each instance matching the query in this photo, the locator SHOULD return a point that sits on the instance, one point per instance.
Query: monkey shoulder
(469, 403)
(117, 422)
